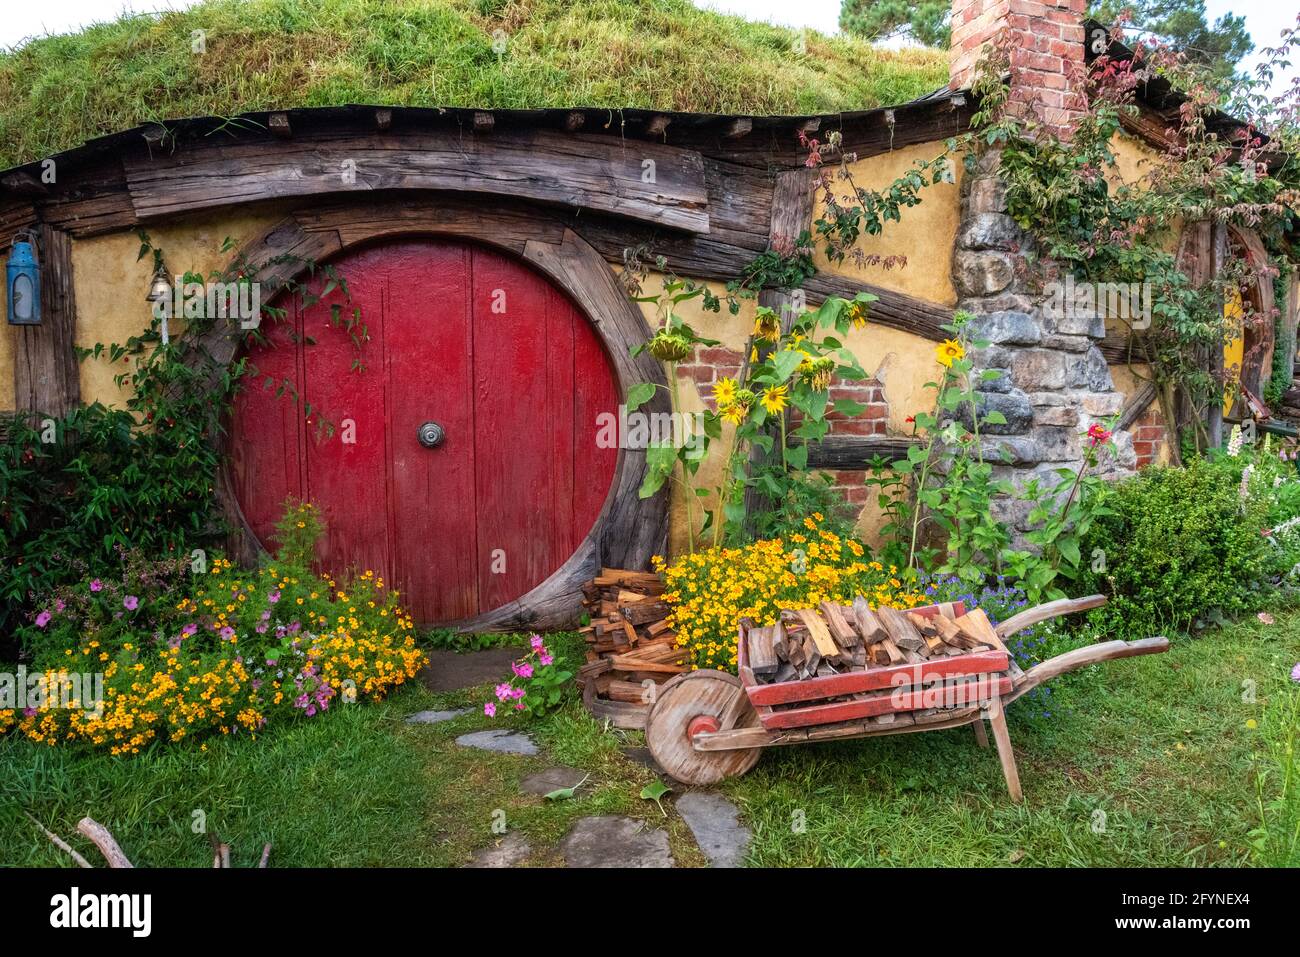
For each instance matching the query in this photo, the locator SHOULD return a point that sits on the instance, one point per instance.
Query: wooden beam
(587, 172)
(1137, 404)
(383, 119)
(46, 376)
(658, 125)
(484, 121)
(573, 121)
(278, 124)
(852, 452)
(740, 126)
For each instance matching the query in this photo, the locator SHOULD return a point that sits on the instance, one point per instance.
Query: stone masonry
(1055, 381)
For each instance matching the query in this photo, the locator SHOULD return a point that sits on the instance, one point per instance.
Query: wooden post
(46, 376)
(981, 738)
(1214, 412)
(792, 210)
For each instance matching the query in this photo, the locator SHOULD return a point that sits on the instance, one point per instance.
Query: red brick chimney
(1047, 45)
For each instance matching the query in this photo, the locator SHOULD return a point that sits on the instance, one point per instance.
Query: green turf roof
(56, 92)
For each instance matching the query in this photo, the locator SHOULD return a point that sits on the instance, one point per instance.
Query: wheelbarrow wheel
(691, 703)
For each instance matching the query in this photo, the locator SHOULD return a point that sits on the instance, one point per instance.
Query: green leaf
(639, 395)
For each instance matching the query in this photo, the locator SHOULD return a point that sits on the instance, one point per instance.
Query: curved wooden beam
(1081, 658)
(629, 529)
(645, 181)
(1050, 609)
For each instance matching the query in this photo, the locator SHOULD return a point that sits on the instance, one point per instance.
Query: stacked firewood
(631, 649)
(805, 644)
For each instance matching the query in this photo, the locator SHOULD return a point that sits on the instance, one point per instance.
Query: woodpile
(631, 649)
(836, 639)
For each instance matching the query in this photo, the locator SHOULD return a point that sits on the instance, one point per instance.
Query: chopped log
(645, 612)
(629, 642)
(868, 622)
(902, 631)
(820, 634)
(762, 656)
(779, 645)
(837, 620)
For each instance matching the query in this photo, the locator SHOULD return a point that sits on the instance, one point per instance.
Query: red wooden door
(480, 344)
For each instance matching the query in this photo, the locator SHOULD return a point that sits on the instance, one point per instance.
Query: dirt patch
(452, 670)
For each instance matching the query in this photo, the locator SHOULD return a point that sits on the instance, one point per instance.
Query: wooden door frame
(629, 529)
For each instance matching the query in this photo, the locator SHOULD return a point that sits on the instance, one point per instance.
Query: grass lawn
(1159, 745)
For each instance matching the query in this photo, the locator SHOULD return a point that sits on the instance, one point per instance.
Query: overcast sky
(21, 20)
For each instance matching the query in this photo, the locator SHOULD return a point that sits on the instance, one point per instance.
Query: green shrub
(1181, 544)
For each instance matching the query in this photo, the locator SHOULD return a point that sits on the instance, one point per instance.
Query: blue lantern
(24, 283)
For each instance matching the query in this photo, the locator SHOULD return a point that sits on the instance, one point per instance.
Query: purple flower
(227, 633)
(130, 603)
(1295, 672)
(273, 597)
(545, 658)
(43, 619)
(189, 629)
(58, 604)
(490, 709)
(536, 642)
(96, 585)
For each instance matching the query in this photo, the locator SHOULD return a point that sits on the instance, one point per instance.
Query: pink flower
(1295, 673)
(96, 585)
(1097, 434)
(519, 706)
(273, 597)
(189, 629)
(227, 633)
(536, 642)
(43, 619)
(522, 669)
(516, 693)
(58, 604)
(545, 658)
(504, 691)
(130, 603)
(490, 709)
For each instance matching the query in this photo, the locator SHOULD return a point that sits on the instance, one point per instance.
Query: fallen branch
(102, 839)
(60, 843)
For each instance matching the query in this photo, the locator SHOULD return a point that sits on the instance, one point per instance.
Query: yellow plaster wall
(111, 282)
(924, 235)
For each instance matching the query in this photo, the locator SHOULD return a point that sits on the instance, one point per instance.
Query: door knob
(431, 435)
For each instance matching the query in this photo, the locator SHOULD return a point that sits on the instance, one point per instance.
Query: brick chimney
(1047, 65)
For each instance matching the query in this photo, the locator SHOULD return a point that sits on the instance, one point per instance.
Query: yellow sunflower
(724, 392)
(948, 352)
(767, 326)
(858, 315)
(774, 399)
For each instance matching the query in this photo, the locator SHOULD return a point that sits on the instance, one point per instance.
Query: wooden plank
(867, 706)
(868, 622)
(1052, 609)
(582, 171)
(46, 377)
(900, 629)
(856, 682)
(819, 633)
(762, 656)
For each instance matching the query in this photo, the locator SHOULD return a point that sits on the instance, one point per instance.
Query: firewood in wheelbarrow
(812, 656)
(762, 656)
(868, 622)
(779, 642)
(842, 632)
(953, 634)
(821, 634)
(902, 631)
(976, 626)
(885, 652)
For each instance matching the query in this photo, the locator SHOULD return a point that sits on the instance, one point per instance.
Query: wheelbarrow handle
(1088, 655)
(1051, 609)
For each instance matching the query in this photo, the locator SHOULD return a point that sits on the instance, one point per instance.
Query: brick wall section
(1148, 436)
(1047, 63)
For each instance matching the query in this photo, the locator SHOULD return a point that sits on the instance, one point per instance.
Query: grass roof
(58, 91)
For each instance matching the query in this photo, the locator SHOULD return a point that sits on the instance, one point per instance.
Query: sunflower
(774, 399)
(858, 315)
(669, 346)
(739, 407)
(767, 326)
(817, 372)
(948, 352)
(724, 392)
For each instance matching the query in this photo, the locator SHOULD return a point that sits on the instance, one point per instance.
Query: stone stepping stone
(453, 670)
(435, 717)
(503, 741)
(715, 822)
(511, 852)
(609, 841)
(552, 779)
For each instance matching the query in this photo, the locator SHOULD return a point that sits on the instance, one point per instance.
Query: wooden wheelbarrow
(706, 726)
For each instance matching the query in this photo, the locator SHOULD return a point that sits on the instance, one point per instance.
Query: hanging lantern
(160, 295)
(24, 282)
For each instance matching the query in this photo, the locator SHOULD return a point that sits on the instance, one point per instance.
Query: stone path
(552, 779)
(512, 851)
(715, 822)
(435, 717)
(502, 741)
(609, 841)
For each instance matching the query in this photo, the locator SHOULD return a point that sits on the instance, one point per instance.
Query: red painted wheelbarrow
(706, 726)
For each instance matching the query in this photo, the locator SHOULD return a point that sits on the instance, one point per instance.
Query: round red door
(462, 338)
